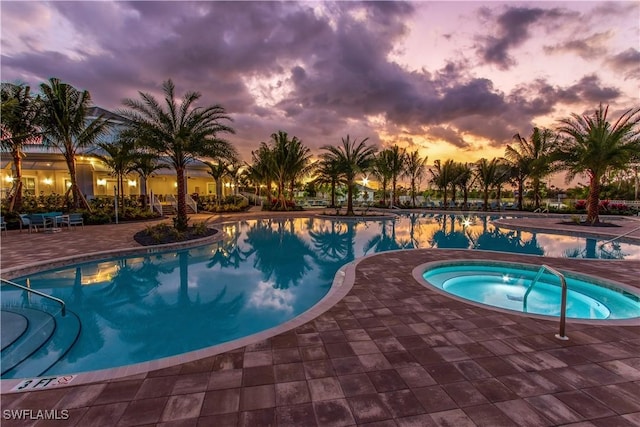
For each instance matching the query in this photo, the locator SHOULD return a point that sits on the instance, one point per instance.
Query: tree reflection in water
(279, 253)
(334, 247)
(450, 239)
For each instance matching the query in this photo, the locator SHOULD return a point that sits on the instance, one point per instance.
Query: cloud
(513, 30)
(626, 63)
(588, 48)
(318, 70)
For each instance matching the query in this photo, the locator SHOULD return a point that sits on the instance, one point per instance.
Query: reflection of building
(44, 171)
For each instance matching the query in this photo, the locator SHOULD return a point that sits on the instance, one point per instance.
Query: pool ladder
(563, 305)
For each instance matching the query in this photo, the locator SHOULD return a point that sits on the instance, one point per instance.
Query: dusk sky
(453, 79)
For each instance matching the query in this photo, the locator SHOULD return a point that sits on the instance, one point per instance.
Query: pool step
(45, 341)
(14, 325)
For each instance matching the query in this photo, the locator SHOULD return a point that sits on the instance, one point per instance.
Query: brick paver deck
(390, 353)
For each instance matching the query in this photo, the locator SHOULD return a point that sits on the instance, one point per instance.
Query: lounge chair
(73, 219)
(3, 225)
(24, 222)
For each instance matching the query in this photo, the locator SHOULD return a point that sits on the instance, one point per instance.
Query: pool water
(505, 286)
(260, 275)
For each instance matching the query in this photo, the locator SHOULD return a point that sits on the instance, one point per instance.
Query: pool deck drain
(390, 353)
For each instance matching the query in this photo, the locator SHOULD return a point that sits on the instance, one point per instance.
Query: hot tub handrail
(563, 304)
(42, 294)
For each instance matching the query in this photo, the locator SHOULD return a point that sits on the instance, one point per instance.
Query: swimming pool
(262, 273)
(514, 287)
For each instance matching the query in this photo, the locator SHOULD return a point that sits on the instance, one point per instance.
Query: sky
(454, 80)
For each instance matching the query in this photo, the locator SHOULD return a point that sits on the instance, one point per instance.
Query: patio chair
(24, 222)
(3, 225)
(38, 220)
(73, 219)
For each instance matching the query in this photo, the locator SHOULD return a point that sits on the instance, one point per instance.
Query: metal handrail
(191, 202)
(28, 289)
(563, 304)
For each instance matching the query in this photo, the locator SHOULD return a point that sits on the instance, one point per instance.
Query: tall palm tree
(465, 179)
(442, 175)
(396, 159)
(65, 124)
(532, 159)
(353, 157)
(119, 156)
(218, 170)
(260, 170)
(182, 132)
(328, 173)
(486, 173)
(415, 169)
(290, 158)
(381, 171)
(145, 164)
(19, 117)
(593, 145)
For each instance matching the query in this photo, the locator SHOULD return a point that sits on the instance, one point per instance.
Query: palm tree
(486, 173)
(593, 145)
(260, 170)
(532, 159)
(218, 170)
(65, 125)
(145, 164)
(20, 113)
(442, 175)
(382, 172)
(328, 173)
(181, 132)
(353, 157)
(395, 158)
(289, 160)
(119, 156)
(465, 179)
(415, 167)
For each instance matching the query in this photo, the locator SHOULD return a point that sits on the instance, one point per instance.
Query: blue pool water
(505, 286)
(262, 274)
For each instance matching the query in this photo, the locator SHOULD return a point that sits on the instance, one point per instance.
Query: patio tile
(454, 417)
(434, 399)
(292, 393)
(219, 420)
(325, 389)
(103, 415)
(415, 376)
(464, 394)
(257, 358)
(258, 375)
(221, 401)
(494, 390)
(387, 380)
(192, 383)
(122, 391)
(553, 409)
(286, 355)
(75, 397)
(347, 365)
(318, 369)
(356, 384)
(584, 404)
(522, 413)
(313, 353)
(260, 417)
(258, 397)
(333, 413)
(368, 408)
(488, 415)
(374, 362)
(145, 411)
(296, 416)
(289, 372)
(183, 406)
(401, 403)
(231, 378)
